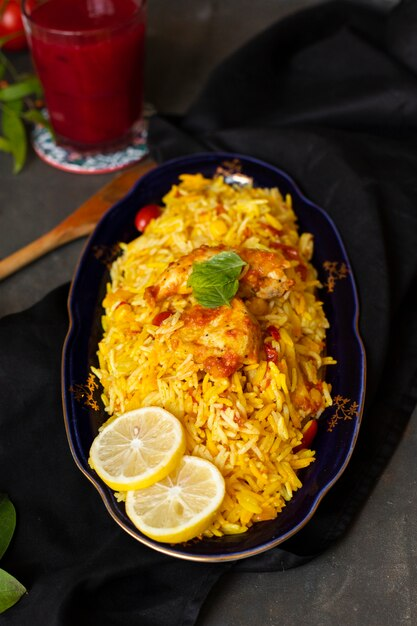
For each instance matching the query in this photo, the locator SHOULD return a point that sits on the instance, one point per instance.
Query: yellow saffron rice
(251, 424)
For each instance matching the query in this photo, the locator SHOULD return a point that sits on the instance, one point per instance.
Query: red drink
(89, 57)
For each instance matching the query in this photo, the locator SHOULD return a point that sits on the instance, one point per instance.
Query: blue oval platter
(338, 425)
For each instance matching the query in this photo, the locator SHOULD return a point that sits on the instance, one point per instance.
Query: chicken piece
(174, 279)
(220, 339)
(265, 276)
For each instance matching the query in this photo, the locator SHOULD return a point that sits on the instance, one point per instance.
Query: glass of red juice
(89, 56)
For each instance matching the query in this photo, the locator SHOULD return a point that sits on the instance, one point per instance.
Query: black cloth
(79, 567)
(328, 95)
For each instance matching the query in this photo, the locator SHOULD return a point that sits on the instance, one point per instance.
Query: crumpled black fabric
(328, 95)
(79, 567)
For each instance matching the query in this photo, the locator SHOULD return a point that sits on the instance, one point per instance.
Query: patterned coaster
(70, 160)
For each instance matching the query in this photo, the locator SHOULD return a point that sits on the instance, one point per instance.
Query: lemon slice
(182, 505)
(138, 448)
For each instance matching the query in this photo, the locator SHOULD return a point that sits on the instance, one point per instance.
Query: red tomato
(308, 436)
(161, 317)
(10, 24)
(289, 251)
(145, 215)
(274, 332)
(302, 270)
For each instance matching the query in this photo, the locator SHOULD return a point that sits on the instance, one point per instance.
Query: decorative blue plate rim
(339, 424)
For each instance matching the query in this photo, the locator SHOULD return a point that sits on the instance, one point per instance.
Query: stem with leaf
(19, 98)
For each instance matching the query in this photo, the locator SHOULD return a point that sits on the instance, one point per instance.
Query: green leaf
(216, 295)
(14, 131)
(37, 117)
(7, 522)
(11, 590)
(4, 60)
(5, 145)
(21, 89)
(215, 282)
(14, 105)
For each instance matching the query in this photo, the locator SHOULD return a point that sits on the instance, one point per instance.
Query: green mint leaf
(223, 262)
(21, 89)
(214, 282)
(14, 131)
(7, 522)
(11, 590)
(217, 295)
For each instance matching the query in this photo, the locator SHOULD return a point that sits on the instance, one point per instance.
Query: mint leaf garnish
(215, 282)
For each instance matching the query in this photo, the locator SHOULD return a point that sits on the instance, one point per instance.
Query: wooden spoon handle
(80, 223)
(29, 253)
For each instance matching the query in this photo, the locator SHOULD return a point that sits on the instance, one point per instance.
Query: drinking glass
(89, 56)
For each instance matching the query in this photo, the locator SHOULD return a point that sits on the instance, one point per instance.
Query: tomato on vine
(11, 24)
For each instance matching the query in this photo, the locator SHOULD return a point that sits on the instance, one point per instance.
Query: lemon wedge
(182, 505)
(138, 448)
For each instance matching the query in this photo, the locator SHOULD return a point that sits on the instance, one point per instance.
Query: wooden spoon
(78, 224)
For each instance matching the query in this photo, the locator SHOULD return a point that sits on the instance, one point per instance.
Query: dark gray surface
(186, 39)
(32, 203)
(370, 577)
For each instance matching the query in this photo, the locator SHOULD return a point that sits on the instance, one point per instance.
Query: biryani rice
(251, 424)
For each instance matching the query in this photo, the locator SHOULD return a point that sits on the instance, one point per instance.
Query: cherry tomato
(161, 317)
(10, 24)
(302, 270)
(274, 332)
(145, 215)
(308, 436)
(289, 251)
